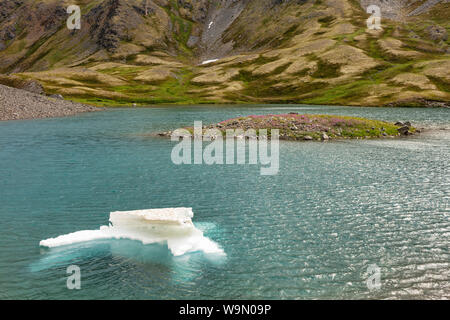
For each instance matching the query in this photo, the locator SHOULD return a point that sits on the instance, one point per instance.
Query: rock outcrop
(32, 86)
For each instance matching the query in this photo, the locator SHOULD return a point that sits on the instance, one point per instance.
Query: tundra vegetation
(140, 52)
(303, 127)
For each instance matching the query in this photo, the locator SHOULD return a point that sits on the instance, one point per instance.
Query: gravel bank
(20, 104)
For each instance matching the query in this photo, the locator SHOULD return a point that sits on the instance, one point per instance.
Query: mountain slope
(294, 51)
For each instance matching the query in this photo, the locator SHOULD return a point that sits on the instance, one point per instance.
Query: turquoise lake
(309, 232)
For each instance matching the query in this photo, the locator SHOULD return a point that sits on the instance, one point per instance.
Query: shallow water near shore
(309, 232)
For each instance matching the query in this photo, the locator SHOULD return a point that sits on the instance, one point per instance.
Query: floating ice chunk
(209, 61)
(172, 226)
(172, 216)
(79, 236)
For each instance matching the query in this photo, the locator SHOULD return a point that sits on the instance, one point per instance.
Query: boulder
(437, 33)
(403, 130)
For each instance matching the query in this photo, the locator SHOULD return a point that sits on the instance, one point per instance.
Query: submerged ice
(172, 226)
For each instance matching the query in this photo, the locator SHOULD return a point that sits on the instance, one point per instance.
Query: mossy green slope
(316, 52)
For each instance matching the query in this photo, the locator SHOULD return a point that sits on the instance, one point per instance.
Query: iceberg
(171, 226)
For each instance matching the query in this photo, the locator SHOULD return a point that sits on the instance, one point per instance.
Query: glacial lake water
(310, 232)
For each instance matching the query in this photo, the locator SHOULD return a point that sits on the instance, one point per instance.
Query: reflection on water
(156, 257)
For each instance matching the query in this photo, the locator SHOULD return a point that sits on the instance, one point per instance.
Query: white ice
(172, 226)
(209, 61)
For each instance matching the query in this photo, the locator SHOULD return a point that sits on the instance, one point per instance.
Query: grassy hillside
(294, 51)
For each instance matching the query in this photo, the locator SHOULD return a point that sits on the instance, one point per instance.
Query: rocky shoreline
(18, 104)
(303, 127)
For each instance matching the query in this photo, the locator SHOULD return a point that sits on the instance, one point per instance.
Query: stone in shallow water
(403, 130)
